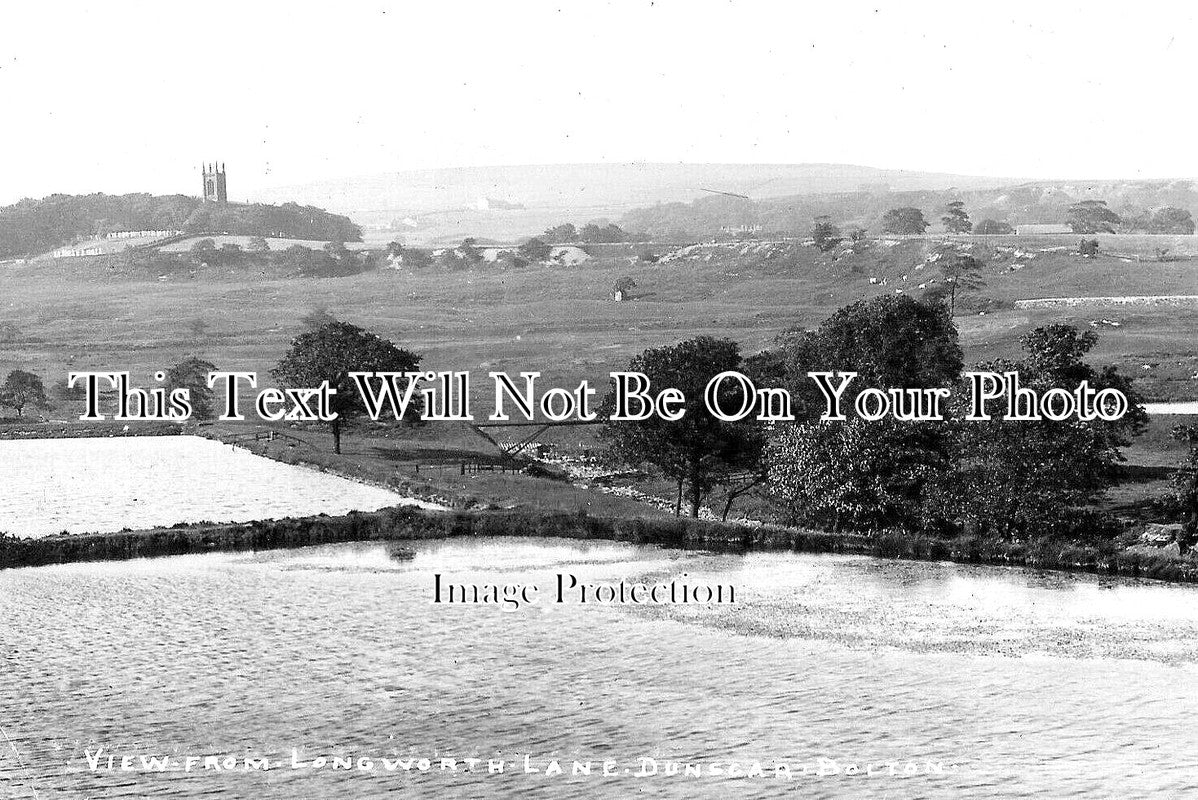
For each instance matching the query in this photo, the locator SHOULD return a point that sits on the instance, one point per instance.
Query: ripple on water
(1036, 685)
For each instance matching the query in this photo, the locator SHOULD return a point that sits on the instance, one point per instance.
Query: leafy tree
(697, 451)
(863, 475)
(955, 219)
(192, 374)
(1016, 478)
(23, 389)
(536, 249)
(417, 258)
(962, 273)
(623, 285)
(825, 234)
(395, 250)
(992, 227)
(470, 251)
(204, 246)
(1185, 484)
(594, 233)
(330, 353)
(1172, 220)
(1092, 216)
(562, 233)
(904, 221)
(257, 244)
(891, 341)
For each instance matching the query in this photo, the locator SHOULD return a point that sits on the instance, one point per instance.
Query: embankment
(406, 523)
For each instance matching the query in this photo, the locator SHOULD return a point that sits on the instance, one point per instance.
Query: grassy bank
(406, 523)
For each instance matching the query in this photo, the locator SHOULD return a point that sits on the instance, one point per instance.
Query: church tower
(214, 183)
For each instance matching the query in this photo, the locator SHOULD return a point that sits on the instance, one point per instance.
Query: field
(562, 322)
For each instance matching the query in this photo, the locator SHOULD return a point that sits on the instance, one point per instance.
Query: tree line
(30, 227)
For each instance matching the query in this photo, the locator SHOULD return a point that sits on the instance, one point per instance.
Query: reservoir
(105, 485)
(1008, 682)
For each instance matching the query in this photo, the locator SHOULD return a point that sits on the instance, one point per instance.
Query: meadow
(75, 314)
(71, 314)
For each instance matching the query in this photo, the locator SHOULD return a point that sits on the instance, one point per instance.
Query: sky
(129, 96)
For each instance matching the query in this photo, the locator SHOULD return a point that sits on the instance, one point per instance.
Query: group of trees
(1093, 216)
(1003, 478)
(333, 260)
(591, 233)
(30, 227)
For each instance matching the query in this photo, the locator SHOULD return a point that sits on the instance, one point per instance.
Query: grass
(79, 316)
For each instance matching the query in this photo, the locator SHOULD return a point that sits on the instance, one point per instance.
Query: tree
(536, 249)
(330, 353)
(1172, 220)
(469, 251)
(257, 244)
(593, 233)
(697, 451)
(395, 250)
(1092, 216)
(562, 233)
(863, 475)
(992, 227)
(825, 234)
(192, 374)
(904, 221)
(891, 341)
(623, 286)
(961, 274)
(416, 258)
(204, 246)
(1185, 484)
(22, 389)
(955, 219)
(1014, 478)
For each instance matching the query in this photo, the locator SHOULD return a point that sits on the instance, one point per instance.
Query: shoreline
(408, 523)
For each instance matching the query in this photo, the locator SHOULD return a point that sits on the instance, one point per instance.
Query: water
(103, 485)
(1014, 683)
(1186, 407)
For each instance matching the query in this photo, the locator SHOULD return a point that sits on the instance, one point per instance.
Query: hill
(507, 203)
(1133, 201)
(31, 227)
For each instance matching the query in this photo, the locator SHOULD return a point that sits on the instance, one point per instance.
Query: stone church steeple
(214, 183)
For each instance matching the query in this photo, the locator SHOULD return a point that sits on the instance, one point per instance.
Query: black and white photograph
(604, 399)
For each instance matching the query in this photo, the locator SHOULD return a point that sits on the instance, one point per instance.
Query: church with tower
(214, 183)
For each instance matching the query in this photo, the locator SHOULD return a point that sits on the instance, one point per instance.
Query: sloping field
(563, 322)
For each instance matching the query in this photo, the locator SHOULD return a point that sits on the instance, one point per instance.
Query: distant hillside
(432, 206)
(1133, 201)
(31, 227)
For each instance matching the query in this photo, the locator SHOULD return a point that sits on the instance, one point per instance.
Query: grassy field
(561, 321)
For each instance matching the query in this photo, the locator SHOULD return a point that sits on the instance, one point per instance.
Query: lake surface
(103, 485)
(1015, 683)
